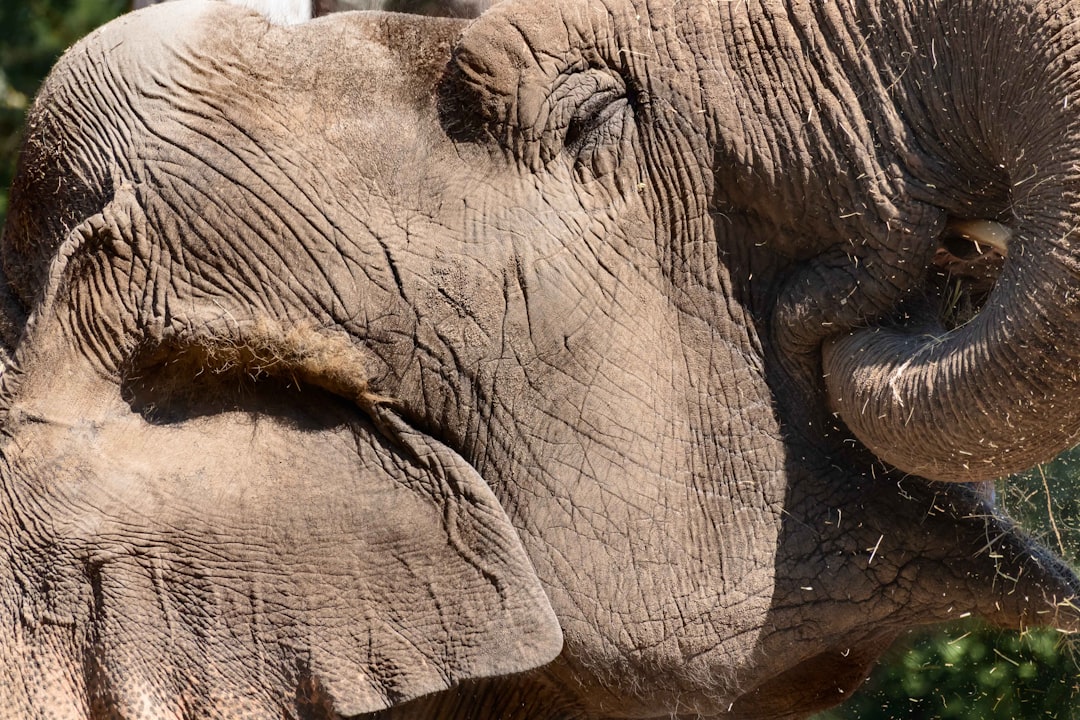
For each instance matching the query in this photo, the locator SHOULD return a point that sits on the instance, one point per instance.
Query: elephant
(438, 8)
(290, 12)
(586, 359)
(282, 12)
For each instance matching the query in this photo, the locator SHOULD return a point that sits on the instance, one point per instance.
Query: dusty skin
(581, 360)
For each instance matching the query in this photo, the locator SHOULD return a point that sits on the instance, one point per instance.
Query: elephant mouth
(965, 267)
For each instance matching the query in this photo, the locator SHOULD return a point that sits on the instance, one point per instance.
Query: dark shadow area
(175, 385)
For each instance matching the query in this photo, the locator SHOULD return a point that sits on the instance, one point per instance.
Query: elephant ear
(225, 547)
(445, 591)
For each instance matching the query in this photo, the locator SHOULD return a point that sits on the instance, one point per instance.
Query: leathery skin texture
(585, 359)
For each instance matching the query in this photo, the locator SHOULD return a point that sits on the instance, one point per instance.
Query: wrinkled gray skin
(438, 8)
(290, 12)
(426, 368)
(280, 12)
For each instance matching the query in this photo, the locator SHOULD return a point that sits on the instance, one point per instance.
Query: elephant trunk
(990, 398)
(1001, 392)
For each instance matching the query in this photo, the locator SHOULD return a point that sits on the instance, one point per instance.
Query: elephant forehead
(258, 169)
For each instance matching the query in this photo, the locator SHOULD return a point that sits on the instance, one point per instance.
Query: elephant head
(290, 12)
(587, 359)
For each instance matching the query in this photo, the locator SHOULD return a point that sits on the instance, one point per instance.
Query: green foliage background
(965, 671)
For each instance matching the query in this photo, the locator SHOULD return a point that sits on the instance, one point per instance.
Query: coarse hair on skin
(177, 365)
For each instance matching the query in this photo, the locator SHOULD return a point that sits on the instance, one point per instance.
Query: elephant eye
(590, 120)
(591, 115)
